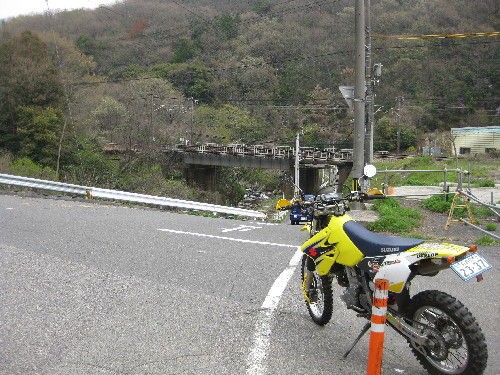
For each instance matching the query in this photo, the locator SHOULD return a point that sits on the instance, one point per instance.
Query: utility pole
(398, 124)
(296, 188)
(151, 118)
(359, 92)
(370, 97)
(150, 133)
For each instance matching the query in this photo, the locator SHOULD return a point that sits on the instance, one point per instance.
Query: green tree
(229, 124)
(228, 24)
(87, 164)
(109, 115)
(27, 78)
(184, 50)
(386, 134)
(39, 130)
(126, 71)
(193, 79)
(262, 6)
(293, 83)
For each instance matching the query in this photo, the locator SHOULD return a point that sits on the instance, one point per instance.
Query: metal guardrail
(444, 171)
(93, 192)
(480, 229)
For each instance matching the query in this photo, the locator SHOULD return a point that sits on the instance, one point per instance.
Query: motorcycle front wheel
(460, 348)
(318, 298)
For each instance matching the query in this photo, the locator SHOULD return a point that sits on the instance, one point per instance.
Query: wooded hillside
(143, 74)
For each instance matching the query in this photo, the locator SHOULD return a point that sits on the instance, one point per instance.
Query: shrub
(491, 227)
(28, 168)
(394, 218)
(437, 203)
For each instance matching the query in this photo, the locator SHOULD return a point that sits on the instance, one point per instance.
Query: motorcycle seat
(373, 244)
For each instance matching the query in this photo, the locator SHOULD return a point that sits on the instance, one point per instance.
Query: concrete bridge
(202, 161)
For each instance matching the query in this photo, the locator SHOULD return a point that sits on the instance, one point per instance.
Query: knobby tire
(460, 315)
(325, 282)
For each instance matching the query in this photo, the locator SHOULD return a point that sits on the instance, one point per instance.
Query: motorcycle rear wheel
(464, 350)
(320, 304)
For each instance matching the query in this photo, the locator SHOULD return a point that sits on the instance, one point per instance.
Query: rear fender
(428, 250)
(396, 267)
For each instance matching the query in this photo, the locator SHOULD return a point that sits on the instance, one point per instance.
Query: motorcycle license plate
(471, 266)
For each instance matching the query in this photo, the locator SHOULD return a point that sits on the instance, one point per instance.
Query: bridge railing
(307, 154)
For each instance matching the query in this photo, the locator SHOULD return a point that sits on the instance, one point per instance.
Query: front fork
(307, 278)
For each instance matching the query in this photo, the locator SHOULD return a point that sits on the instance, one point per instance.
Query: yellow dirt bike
(442, 333)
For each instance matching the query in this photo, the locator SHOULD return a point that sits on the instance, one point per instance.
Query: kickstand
(363, 331)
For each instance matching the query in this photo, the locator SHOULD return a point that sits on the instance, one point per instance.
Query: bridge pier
(201, 176)
(309, 180)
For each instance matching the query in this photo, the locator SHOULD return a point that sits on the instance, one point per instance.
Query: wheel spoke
(456, 359)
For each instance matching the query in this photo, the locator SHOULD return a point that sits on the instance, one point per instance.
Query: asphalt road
(88, 288)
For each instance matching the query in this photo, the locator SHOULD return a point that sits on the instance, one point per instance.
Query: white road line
(271, 224)
(226, 238)
(241, 228)
(256, 360)
(256, 364)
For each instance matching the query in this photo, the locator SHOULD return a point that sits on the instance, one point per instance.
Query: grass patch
(394, 218)
(487, 241)
(491, 227)
(438, 203)
(484, 183)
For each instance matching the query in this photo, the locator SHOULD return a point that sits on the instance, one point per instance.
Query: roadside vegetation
(394, 218)
(407, 222)
(487, 241)
(439, 203)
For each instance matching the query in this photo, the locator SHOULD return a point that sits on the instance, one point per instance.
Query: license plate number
(470, 267)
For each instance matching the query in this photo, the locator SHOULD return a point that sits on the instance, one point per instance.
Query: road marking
(241, 228)
(271, 224)
(256, 364)
(226, 238)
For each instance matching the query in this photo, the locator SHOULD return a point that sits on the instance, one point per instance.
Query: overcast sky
(12, 8)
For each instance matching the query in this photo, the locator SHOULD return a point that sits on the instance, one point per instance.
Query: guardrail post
(379, 312)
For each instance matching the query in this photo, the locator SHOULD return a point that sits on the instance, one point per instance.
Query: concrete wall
(203, 176)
